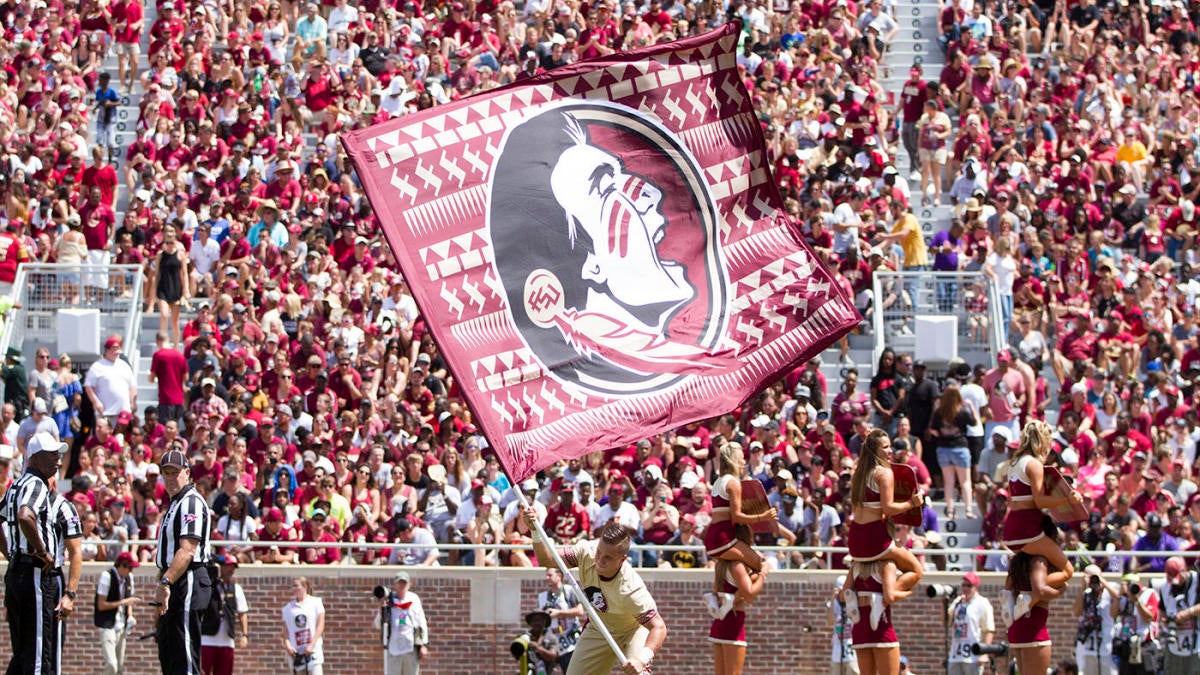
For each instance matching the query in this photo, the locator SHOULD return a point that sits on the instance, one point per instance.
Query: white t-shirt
(1006, 271)
(204, 255)
(408, 625)
(224, 636)
(626, 514)
(976, 399)
(300, 618)
(103, 585)
(969, 621)
(111, 382)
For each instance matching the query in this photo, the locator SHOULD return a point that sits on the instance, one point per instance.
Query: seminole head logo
(607, 246)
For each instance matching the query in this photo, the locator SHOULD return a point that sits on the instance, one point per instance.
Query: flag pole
(562, 566)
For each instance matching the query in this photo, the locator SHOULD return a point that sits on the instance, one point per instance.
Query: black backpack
(221, 604)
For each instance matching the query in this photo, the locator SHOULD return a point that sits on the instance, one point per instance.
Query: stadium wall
(475, 613)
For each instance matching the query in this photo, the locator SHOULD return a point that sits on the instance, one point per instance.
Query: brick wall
(474, 614)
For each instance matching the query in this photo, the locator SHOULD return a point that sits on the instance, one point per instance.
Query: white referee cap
(44, 441)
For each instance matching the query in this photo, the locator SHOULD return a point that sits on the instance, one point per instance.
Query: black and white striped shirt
(187, 518)
(67, 525)
(32, 491)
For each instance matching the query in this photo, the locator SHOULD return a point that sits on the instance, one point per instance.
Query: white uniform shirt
(300, 618)
(969, 621)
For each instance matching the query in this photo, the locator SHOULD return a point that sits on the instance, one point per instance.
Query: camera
(998, 649)
(519, 645)
(1135, 588)
(941, 591)
(380, 592)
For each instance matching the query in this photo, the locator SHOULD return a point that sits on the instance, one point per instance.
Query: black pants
(30, 598)
(179, 627)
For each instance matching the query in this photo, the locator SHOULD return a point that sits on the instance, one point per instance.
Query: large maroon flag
(600, 251)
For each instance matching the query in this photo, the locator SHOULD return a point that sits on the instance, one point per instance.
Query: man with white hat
(38, 421)
(406, 632)
(33, 541)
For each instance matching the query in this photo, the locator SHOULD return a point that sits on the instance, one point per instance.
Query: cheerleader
(872, 496)
(719, 539)
(873, 589)
(734, 587)
(1035, 583)
(1025, 528)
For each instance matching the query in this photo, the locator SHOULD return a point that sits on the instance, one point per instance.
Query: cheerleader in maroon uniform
(719, 539)
(872, 589)
(1031, 577)
(734, 587)
(1024, 526)
(871, 495)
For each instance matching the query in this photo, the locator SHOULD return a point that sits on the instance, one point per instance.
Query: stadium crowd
(294, 366)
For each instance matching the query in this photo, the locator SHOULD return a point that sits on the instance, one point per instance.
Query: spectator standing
(112, 611)
(407, 632)
(1005, 387)
(38, 421)
(110, 383)
(168, 370)
(304, 629)
(229, 631)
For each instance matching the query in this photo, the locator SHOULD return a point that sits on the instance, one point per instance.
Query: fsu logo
(596, 597)
(622, 289)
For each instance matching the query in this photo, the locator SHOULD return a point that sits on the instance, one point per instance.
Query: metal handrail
(831, 550)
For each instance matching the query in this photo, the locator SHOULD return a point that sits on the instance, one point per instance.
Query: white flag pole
(562, 565)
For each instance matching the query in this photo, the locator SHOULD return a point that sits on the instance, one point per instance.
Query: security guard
(32, 535)
(185, 586)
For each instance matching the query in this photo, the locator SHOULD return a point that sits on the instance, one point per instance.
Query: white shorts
(129, 49)
(97, 275)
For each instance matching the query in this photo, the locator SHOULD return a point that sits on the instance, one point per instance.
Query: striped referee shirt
(30, 490)
(66, 526)
(187, 518)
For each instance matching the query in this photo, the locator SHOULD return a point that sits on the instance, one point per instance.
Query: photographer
(1095, 608)
(1137, 613)
(406, 632)
(1179, 600)
(972, 622)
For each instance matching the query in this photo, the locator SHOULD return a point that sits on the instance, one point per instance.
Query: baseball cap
(174, 458)
(653, 472)
(39, 406)
(1174, 569)
(114, 341)
(226, 560)
(274, 515)
(1004, 356)
(402, 576)
(971, 579)
(1154, 520)
(126, 558)
(44, 441)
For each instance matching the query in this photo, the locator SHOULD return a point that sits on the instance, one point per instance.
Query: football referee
(185, 586)
(34, 598)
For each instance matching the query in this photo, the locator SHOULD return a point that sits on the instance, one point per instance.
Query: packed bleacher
(296, 370)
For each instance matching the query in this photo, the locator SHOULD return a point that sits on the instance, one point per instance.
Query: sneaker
(915, 176)
(852, 612)
(845, 360)
(1023, 604)
(1006, 607)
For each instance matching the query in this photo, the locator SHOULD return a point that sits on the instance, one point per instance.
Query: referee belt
(25, 558)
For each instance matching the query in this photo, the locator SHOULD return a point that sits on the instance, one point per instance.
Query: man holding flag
(618, 594)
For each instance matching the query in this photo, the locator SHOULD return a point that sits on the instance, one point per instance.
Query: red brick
(786, 627)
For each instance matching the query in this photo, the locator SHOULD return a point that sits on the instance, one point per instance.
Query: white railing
(901, 297)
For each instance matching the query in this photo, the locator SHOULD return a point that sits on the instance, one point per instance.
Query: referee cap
(44, 441)
(176, 459)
